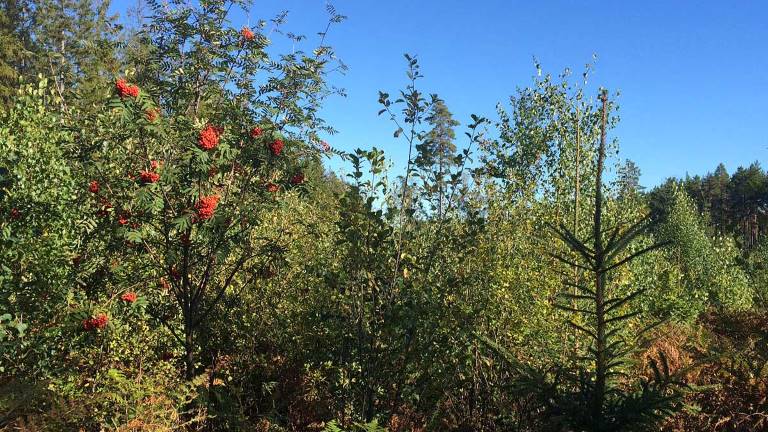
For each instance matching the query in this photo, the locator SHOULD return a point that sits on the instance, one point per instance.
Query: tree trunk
(600, 360)
(189, 351)
(577, 196)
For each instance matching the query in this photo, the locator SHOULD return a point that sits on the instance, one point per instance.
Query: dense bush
(174, 254)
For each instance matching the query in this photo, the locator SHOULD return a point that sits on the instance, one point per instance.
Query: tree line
(735, 204)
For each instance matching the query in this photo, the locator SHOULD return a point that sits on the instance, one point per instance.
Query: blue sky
(693, 76)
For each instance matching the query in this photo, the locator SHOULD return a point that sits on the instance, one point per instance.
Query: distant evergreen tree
(695, 189)
(15, 45)
(628, 180)
(748, 197)
(661, 198)
(437, 153)
(76, 44)
(716, 187)
(736, 205)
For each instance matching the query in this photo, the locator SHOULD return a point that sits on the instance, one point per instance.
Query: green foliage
(37, 233)
(73, 42)
(704, 270)
(175, 256)
(373, 426)
(15, 46)
(593, 399)
(757, 269)
(237, 176)
(547, 138)
(436, 157)
(732, 205)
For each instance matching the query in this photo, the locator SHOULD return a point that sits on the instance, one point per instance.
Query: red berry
(297, 179)
(124, 89)
(206, 206)
(98, 322)
(123, 218)
(209, 137)
(276, 147)
(247, 33)
(149, 177)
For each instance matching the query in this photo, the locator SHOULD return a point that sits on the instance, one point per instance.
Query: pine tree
(437, 154)
(15, 46)
(748, 197)
(716, 187)
(628, 180)
(76, 45)
(599, 403)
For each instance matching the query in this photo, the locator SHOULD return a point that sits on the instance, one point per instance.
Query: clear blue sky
(693, 76)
